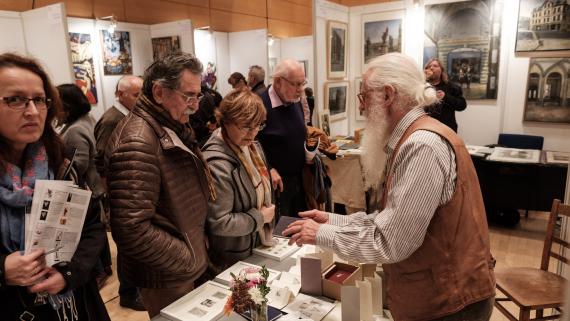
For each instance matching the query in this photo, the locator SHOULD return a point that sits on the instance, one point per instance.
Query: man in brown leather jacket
(159, 185)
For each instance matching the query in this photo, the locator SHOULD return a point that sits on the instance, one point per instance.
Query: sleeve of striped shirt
(422, 170)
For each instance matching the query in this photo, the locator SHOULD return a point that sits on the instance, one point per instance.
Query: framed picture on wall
(337, 58)
(305, 65)
(325, 122)
(548, 90)
(381, 34)
(465, 36)
(83, 68)
(163, 46)
(336, 98)
(358, 115)
(543, 27)
(117, 55)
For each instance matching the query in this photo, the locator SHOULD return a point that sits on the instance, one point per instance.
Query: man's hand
(276, 179)
(316, 215)
(24, 270)
(53, 284)
(302, 232)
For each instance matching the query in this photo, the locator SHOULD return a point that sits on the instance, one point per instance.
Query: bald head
(289, 80)
(286, 67)
(128, 90)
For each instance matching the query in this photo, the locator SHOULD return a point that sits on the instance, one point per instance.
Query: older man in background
(284, 135)
(159, 185)
(431, 234)
(256, 79)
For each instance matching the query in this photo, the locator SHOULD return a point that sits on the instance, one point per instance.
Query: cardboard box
(337, 275)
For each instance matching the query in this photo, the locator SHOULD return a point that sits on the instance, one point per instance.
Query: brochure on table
(204, 303)
(280, 251)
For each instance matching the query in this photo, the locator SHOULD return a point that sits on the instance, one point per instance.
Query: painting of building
(548, 90)
(382, 37)
(543, 25)
(465, 36)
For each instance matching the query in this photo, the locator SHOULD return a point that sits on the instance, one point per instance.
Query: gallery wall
(483, 120)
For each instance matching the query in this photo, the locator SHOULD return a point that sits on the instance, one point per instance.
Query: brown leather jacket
(158, 195)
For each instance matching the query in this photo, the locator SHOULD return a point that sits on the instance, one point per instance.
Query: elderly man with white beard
(431, 235)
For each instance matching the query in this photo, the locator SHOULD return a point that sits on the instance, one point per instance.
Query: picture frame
(326, 122)
(539, 32)
(546, 98)
(305, 64)
(117, 54)
(382, 33)
(83, 67)
(163, 46)
(358, 115)
(554, 157)
(336, 99)
(468, 45)
(337, 49)
(514, 155)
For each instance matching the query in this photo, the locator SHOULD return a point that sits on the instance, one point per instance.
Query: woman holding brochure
(31, 150)
(242, 216)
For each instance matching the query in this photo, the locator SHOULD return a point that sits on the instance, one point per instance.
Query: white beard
(375, 138)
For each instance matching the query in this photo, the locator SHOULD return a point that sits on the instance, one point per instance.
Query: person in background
(449, 94)
(159, 185)
(126, 94)
(283, 138)
(256, 79)
(31, 151)
(203, 121)
(237, 81)
(241, 217)
(311, 102)
(431, 235)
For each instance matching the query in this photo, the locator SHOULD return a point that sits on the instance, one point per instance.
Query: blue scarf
(16, 191)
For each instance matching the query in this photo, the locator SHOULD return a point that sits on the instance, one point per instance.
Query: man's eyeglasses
(251, 129)
(190, 99)
(295, 84)
(21, 103)
(362, 96)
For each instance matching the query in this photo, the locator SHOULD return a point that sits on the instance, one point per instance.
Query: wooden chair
(535, 289)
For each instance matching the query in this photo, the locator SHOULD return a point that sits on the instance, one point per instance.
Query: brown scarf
(183, 132)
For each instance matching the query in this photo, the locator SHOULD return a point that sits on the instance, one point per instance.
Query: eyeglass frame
(362, 95)
(44, 103)
(259, 128)
(190, 99)
(296, 85)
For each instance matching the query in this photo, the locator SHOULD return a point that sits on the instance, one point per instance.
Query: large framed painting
(465, 36)
(548, 90)
(117, 57)
(83, 68)
(543, 28)
(163, 46)
(337, 46)
(381, 34)
(336, 99)
(358, 115)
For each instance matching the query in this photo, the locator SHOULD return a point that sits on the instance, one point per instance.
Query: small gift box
(337, 275)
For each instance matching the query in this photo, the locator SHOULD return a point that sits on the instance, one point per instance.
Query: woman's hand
(276, 180)
(268, 213)
(24, 270)
(53, 284)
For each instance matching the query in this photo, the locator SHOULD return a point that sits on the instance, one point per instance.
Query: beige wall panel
(231, 22)
(153, 11)
(283, 29)
(195, 3)
(74, 8)
(16, 5)
(288, 11)
(103, 8)
(250, 7)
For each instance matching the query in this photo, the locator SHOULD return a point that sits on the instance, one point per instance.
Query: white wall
(248, 48)
(11, 33)
(300, 48)
(181, 28)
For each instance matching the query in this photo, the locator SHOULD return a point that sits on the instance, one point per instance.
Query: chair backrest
(521, 141)
(547, 253)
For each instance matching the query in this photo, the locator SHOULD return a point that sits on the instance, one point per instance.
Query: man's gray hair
(125, 83)
(284, 68)
(258, 73)
(401, 72)
(168, 70)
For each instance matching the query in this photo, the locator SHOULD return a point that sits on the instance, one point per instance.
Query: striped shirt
(424, 173)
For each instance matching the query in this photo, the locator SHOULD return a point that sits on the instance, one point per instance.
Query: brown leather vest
(453, 267)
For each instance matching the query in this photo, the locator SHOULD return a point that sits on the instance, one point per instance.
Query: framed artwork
(543, 27)
(553, 157)
(465, 36)
(326, 122)
(162, 47)
(305, 65)
(548, 90)
(117, 56)
(336, 99)
(358, 115)
(514, 155)
(381, 34)
(337, 57)
(83, 68)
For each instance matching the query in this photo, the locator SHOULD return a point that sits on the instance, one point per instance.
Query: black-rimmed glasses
(21, 103)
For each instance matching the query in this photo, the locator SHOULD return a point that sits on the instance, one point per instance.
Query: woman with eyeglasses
(30, 151)
(242, 216)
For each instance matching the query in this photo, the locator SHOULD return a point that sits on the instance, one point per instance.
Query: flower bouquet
(249, 293)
